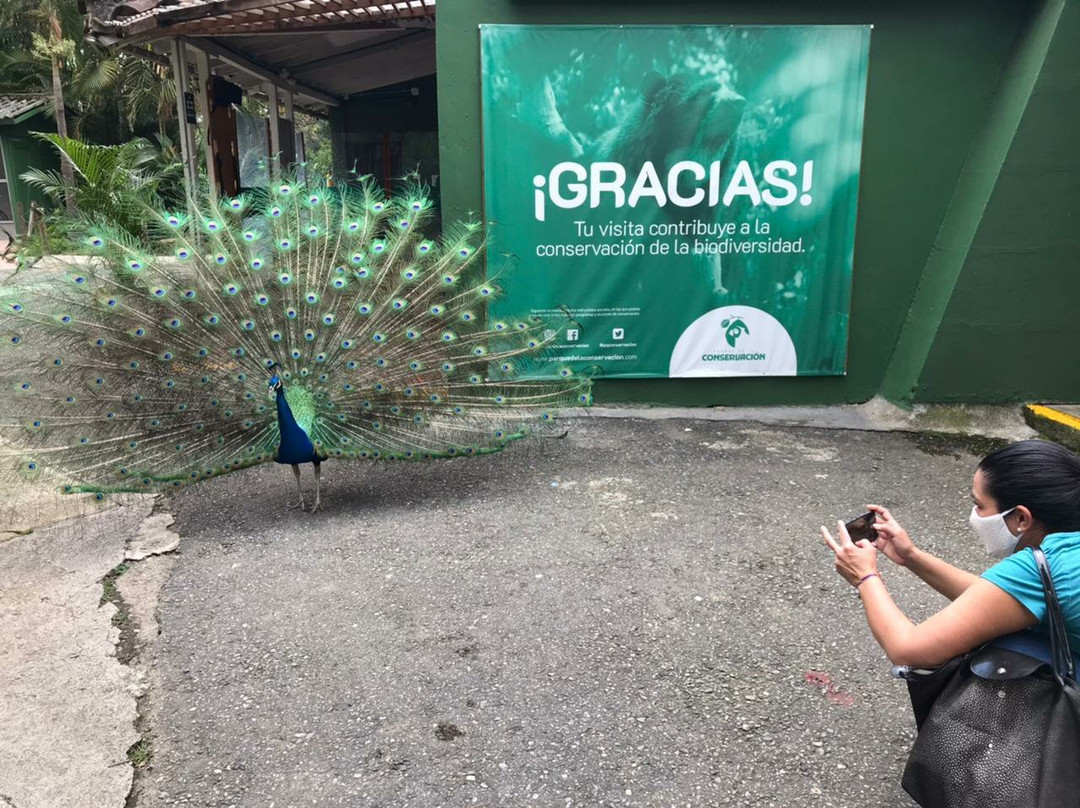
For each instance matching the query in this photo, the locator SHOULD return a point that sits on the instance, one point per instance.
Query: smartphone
(861, 527)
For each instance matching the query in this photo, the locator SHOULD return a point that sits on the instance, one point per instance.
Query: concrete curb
(1004, 422)
(1054, 423)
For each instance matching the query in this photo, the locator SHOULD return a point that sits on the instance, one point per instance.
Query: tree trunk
(66, 168)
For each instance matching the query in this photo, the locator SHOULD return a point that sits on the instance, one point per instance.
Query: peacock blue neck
(296, 445)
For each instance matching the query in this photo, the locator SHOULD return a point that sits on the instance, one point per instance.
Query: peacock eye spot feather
(464, 252)
(378, 337)
(285, 190)
(79, 280)
(320, 357)
(58, 362)
(64, 318)
(96, 242)
(133, 365)
(353, 227)
(172, 221)
(284, 244)
(235, 204)
(311, 297)
(99, 343)
(448, 367)
(182, 254)
(212, 225)
(220, 259)
(313, 231)
(285, 278)
(15, 340)
(238, 352)
(295, 354)
(275, 212)
(449, 280)
(276, 336)
(378, 206)
(309, 335)
(380, 362)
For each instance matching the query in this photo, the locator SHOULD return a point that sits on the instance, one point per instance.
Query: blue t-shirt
(1019, 576)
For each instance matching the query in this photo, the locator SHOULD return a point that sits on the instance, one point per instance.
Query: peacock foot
(292, 506)
(316, 506)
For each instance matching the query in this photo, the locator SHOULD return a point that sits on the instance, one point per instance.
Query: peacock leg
(301, 504)
(318, 471)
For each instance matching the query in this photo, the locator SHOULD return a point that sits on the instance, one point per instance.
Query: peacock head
(274, 385)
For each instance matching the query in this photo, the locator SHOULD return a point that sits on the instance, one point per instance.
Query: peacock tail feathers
(128, 370)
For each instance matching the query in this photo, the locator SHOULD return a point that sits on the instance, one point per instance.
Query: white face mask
(995, 534)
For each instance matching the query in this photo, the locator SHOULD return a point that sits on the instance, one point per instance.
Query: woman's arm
(983, 611)
(950, 581)
(895, 543)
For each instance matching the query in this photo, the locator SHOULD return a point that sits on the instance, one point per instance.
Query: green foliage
(115, 183)
(112, 94)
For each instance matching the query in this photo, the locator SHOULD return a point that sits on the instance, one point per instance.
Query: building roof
(15, 107)
(150, 18)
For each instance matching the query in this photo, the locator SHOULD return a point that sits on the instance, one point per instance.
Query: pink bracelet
(866, 578)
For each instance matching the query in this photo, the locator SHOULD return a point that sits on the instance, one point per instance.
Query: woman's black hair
(1042, 476)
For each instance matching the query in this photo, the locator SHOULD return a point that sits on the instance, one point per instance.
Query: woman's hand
(853, 561)
(892, 539)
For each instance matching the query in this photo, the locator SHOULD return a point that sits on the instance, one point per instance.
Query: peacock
(293, 324)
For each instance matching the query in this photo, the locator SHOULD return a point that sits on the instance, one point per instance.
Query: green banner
(685, 194)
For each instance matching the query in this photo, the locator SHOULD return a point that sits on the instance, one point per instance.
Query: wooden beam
(306, 28)
(326, 11)
(202, 64)
(405, 40)
(275, 131)
(206, 11)
(229, 56)
(187, 146)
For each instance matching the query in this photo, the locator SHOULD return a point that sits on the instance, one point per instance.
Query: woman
(1025, 495)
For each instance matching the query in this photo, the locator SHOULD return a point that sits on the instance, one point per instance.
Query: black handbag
(997, 728)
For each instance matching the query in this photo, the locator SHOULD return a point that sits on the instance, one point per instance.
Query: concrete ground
(640, 614)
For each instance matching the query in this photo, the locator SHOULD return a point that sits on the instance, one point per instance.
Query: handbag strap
(1064, 668)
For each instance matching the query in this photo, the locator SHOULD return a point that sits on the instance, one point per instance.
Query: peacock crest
(135, 371)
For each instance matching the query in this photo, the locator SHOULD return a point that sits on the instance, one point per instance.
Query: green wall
(22, 151)
(935, 72)
(1010, 329)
